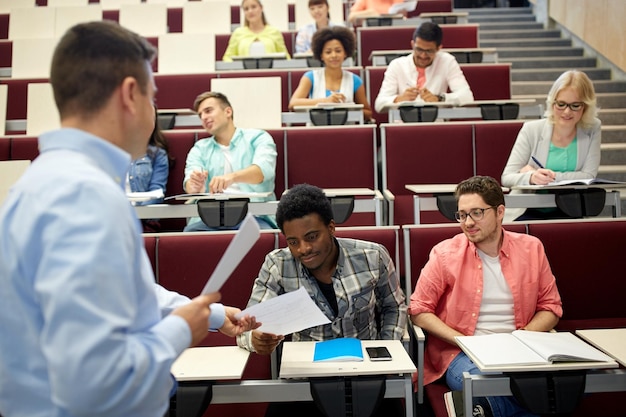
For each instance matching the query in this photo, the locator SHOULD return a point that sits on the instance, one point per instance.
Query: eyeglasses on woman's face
(575, 106)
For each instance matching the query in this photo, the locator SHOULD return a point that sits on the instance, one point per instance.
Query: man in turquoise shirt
(85, 329)
(231, 160)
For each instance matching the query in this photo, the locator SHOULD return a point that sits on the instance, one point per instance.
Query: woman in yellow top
(255, 37)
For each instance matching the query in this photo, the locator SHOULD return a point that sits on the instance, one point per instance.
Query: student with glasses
(565, 145)
(426, 74)
(484, 280)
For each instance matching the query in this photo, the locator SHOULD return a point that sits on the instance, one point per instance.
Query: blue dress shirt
(85, 330)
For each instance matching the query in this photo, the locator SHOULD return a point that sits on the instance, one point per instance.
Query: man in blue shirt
(231, 160)
(85, 330)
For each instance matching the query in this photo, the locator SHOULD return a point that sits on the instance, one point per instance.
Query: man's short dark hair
(91, 60)
(217, 96)
(301, 200)
(429, 32)
(344, 35)
(486, 187)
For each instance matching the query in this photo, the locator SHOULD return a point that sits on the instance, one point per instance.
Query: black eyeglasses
(476, 214)
(425, 51)
(575, 106)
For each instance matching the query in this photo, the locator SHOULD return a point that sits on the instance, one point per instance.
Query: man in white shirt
(426, 75)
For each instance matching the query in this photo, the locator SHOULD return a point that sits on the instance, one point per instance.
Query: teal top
(563, 159)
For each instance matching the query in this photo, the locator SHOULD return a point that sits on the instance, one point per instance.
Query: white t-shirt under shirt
(496, 310)
(228, 167)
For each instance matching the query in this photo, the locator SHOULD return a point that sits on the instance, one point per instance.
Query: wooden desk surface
(610, 341)
(297, 361)
(210, 363)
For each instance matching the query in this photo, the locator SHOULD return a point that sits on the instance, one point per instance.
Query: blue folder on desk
(345, 349)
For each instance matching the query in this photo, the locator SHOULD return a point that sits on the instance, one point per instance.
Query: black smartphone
(379, 353)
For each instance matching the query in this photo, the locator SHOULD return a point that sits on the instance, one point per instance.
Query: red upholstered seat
(431, 6)
(5, 149)
(186, 261)
(589, 274)
(488, 81)
(493, 142)
(333, 157)
(179, 91)
(426, 153)
(279, 140)
(385, 38)
(24, 147)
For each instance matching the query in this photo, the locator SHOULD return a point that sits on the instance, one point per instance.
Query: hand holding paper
(287, 313)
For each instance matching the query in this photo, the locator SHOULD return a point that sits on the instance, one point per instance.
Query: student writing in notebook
(565, 145)
(484, 280)
(332, 84)
(85, 329)
(353, 282)
(426, 74)
(232, 159)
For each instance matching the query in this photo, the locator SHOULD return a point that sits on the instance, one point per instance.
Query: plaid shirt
(366, 285)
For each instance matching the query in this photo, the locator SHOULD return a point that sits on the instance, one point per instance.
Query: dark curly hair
(342, 34)
(301, 200)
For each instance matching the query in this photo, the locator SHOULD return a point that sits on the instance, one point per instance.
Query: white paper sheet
(241, 244)
(408, 6)
(145, 195)
(287, 313)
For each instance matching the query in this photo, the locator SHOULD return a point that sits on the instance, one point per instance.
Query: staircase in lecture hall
(538, 56)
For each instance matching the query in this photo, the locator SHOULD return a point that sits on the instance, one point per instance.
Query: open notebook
(525, 348)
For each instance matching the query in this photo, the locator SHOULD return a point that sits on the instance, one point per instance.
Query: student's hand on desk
(221, 182)
(265, 343)
(196, 314)
(428, 96)
(542, 176)
(410, 94)
(196, 182)
(233, 327)
(336, 97)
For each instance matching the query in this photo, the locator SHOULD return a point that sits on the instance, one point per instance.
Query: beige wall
(599, 23)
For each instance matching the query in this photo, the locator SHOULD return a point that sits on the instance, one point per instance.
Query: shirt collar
(504, 249)
(234, 140)
(108, 157)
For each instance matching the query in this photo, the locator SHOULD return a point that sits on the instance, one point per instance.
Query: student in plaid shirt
(353, 282)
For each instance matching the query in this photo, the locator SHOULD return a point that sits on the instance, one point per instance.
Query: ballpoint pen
(539, 164)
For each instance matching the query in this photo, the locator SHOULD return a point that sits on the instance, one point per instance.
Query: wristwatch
(441, 97)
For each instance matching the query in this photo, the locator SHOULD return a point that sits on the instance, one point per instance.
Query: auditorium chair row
(368, 39)
(487, 81)
(346, 157)
(588, 274)
(175, 18)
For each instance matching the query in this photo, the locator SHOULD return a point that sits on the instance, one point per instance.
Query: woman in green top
(563, 146)
(256, 36)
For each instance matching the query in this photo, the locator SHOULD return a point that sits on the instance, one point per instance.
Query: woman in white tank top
(331, 84)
